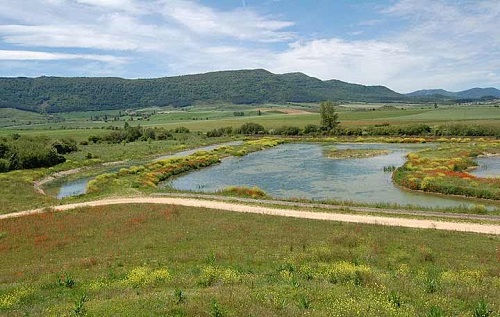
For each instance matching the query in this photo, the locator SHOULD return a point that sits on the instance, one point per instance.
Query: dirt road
(190, 202)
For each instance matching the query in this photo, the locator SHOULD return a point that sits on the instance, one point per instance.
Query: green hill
(58, 94)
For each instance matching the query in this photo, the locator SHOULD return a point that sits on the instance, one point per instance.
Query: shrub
(311, 128)
(181, 130)
(4, 165)
(95, 139)
(285, 130)
(27, 153)
(251, 128)
(65, 146)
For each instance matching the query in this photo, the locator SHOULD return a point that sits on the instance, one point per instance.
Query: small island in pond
(354, 153)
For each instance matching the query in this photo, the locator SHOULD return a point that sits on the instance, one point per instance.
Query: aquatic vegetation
(445, 170)
(243, 191)
(355, 153)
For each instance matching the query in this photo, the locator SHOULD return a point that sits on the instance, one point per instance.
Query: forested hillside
(57, 94)
(474, 93)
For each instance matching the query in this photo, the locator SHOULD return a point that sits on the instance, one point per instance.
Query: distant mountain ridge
(474, 93)
(59, 94)
(255, 86)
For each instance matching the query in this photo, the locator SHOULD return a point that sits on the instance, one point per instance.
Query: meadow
(176, 261)
(208, 117)
(153, 260)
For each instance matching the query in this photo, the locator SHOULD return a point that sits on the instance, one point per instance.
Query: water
(303, 171)
(79, 186)
(489, 166)
(73, 188)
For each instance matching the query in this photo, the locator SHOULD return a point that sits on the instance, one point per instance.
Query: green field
(154, 260)
(175, 261)
(203, 118)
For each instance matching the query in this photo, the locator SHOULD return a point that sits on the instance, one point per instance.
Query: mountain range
(474, 93)
(64, 94)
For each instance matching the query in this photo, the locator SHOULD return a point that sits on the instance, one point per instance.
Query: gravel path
(231, 206)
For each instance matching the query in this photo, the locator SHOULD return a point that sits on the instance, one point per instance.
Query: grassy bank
(445, 170)
(175, 261)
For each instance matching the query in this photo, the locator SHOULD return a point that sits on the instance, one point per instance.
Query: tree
(329, 116)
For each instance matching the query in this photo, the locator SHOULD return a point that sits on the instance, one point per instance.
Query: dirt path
(190, 202)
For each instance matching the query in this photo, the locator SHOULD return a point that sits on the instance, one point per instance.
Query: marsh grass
(129, 260)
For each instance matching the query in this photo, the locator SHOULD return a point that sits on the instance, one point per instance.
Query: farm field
(199, 118)
(179, 261)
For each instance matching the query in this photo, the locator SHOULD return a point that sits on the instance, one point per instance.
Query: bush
(311, 128)
(4, 165)
(181, 130)
(285, 130)
(95, 139)
(65, 146)
(219, 132)
(164, 135)
(26, 153)
(251, 128)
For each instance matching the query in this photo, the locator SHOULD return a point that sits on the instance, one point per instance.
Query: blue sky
(403, 44)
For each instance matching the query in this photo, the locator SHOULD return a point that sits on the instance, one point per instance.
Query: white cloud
(458, 41)
(119, 5)
(242, 24)
(76, 36)
(440, 43)
(357, 61)
(11, 55)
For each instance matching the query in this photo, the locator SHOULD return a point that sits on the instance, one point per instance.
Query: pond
(303, 171)
(488, 166)
(73, 188)
(79, 186)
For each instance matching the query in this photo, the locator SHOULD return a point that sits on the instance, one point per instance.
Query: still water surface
(79, 186)
(303, 171)
(488, 166)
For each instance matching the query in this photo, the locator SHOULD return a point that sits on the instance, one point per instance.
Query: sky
(405, 45)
